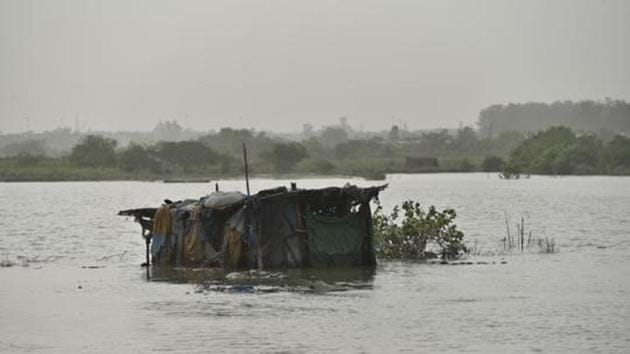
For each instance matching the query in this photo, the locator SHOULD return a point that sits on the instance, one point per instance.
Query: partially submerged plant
(524, 241)
(417, 228)
(547, 245)
(6, 262)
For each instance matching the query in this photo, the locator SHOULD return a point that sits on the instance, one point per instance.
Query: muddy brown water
(76, 285)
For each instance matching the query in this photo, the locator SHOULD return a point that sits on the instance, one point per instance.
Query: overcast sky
(274, 65)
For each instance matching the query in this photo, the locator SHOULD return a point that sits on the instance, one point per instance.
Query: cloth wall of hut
(274, 228)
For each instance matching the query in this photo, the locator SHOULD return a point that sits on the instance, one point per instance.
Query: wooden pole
(259, 254)
(148, 242)
(146, 235)
(246, 168)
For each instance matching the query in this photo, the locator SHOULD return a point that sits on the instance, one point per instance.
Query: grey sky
(273, 65)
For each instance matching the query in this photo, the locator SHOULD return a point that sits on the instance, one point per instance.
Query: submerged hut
(273, 228)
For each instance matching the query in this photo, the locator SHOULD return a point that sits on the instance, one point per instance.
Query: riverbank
(52, 172)
(22, 169)
(555, 151)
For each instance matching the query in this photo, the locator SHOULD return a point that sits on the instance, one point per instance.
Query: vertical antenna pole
(259, 254)
(246, 168)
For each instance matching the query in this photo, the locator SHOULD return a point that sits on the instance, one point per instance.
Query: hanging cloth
(193, 244)
(162, 221)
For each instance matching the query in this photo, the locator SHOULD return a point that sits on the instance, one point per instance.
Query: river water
(75, 284)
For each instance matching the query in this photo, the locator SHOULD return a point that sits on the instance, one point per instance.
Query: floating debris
(120, 256)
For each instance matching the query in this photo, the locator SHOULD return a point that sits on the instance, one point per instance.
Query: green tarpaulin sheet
(335, 240)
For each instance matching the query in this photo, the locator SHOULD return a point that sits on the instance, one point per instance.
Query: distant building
(421, 164)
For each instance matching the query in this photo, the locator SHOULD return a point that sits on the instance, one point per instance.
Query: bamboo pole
(259, 255)
(246, 168)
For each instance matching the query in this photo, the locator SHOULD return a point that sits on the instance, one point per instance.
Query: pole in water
(146, 234)
(148, 242)
(246, 169)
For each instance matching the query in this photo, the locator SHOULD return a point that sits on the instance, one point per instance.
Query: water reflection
(301, 280)
(179, 275)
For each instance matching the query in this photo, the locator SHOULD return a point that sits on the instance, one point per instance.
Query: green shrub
(407, 235)
(285, 156)
(94, 151)
(138, 158)
(557, 151)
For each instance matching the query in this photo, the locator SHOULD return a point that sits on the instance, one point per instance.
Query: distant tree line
(557, 150)
(333, 150)
(604, 118)
(59, 142)
(560, 151)
(217, 154)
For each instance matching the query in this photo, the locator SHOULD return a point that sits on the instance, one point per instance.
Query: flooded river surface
(71, 280)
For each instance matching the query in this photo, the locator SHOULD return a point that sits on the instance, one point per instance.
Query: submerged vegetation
(410, 232)
(522, 240)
